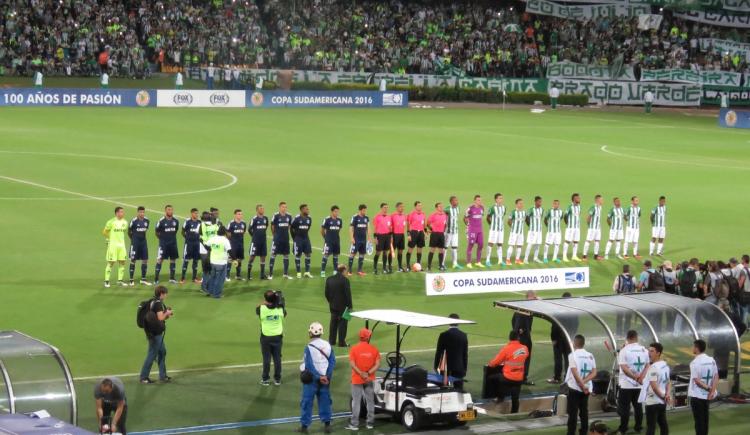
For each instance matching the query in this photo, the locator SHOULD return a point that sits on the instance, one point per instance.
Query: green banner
(568, 69)
(717, 78)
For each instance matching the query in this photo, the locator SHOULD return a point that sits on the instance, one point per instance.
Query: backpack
(687, 283)
(625, 284)
(655, 282)
(143, 308)
(735, 292)
(721, 290)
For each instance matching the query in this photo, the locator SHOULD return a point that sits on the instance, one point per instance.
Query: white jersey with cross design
(635, 357)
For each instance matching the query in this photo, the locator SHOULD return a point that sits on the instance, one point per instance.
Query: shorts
(192, 251)
(259, 248)
(534, 238)
(553, 238)
(515, 239)
(302, 246)
(167, 252)
(237, 252)
(358, 247)
(279, 248)
(616, 234)
(658, 232)
(417, 239)
(474, 238)
(496, 237)
(117, 253)
(572, 234)
(593, 235)
(437, 240)
(139, 251)
(383, 242)
(632, 235)
(333, 248)
(399, 242)
(451, 240)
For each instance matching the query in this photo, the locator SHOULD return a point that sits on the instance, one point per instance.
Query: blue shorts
(237, 252)
(359, 247)
(332, 248)
(258, 248)
(168, 252)
(302, 246)
(280, 247)
(192, 251)
(139, 251)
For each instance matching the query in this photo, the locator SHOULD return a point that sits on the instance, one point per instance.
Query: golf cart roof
(408, 318)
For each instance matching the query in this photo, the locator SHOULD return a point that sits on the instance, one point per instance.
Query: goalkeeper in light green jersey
(115, 231)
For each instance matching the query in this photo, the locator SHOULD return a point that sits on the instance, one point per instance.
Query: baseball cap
(364, 334)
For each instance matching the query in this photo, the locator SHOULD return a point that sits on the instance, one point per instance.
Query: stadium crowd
(486, 39)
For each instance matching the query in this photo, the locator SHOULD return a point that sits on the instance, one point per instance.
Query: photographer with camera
(271, 313)
(110, 397)
(155, 326)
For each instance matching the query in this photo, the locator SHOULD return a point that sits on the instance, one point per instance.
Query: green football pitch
(62, 171)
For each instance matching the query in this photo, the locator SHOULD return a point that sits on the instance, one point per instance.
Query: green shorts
(117, 253)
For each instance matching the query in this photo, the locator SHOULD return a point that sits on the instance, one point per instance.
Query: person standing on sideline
(572, 219)
(516, 221)
(534, 217)
(359, 232)
(330, 230)
(38, 80)
(301, 225)
(552, 220)
(512, 357)
(104, 82)
(658, 227)
(474, 231)
(415, 222)
(581, 370)
(615, 219)
(704, 378)
(554, 94)
(364, 359)
(257, 229)
(560, 348)
(656, 391)
(271, 314)
(317, 367)
(633, 229)
(220, 247)
(521, 323)
(155, 326)
(496, 219)
(382, 240)
(281, 223)
(594, 232)
(339, 297)
(436, 228)
(191, 231)
(398, 240)
(648, 100)
(114, 231)
(451, 231)
(109, 394)
(210, 72)
(166, 232)
(138, 244)
(236, 230)
(453, 346)
(178, 81)
(633, 365)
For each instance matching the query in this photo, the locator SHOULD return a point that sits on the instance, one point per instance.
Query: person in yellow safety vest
(271, 313)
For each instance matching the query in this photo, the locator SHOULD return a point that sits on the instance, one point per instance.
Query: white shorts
(572, 234)
(496, 237)
(534, 237)
(515, 239)
(593, 235)
(632, 235)
(553, 239)
(615, 235)
(658, 232)
(451, 240)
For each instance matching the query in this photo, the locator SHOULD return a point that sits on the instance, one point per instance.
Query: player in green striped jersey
(553, 220)
(633, 229)
(572, 218)
(497, 229)
(616, 220)
(451, 231)
(594, 233)
(534, 217)
(515, 239)
(658, 227)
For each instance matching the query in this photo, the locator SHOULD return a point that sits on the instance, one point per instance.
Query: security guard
(209, 228)
(512, 358)
(271, 313)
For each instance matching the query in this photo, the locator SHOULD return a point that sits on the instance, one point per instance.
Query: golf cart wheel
(411, 417)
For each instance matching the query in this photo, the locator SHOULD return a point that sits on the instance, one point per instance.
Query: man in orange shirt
(364, 359)
(512, 358)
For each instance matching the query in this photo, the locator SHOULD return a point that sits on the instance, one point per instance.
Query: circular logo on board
(219, 99)
(257, 99)
(142, 98)
(182, 99)
(731, 118)
(438, 284)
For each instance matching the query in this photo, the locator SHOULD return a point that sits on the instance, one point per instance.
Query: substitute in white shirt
(633, 363)
(581, 371)
(704, 377)
(656, 391)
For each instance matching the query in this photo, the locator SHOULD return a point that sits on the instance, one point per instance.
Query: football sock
(499, 252)
(509, 253)
(336, 263)
(286, 265)
(171, 270)
(157, 271)
(660, 248)
(307, 263)
(351, 263)
(271, 264)
(195, 269)
(375, 262)
(441, 259)
(556, 251)
(565, 250)
(651, 248)
(184, 268)
(546, 251)
(297, 263)
(360, 263)
(586, 247)
(107, 271)
(132, 270)
(262, 268)
(419, 258)
(120, 272)
(429, 260)
(143, 271)
(408, 260)
(323, 263)
(596, 247)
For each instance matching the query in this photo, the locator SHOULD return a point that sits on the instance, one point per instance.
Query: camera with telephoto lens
(275, 299)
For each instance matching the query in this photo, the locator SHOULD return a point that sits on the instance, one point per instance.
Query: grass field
(63, 171)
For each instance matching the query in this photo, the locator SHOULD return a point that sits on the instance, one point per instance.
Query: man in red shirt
(415, 225)
(398, 226)
(364, 359)
(436, 227)
(512, 358)
(382, 224)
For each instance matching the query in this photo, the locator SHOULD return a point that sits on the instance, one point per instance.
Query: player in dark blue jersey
(301, 237)
(257, 228)
(280, 225)
(191, 231)
(331, 242)
(166, 232)
(359, 230)
(236, 230)
(138, 245)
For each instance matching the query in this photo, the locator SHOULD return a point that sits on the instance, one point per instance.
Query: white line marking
(232, 177)
(678, 162)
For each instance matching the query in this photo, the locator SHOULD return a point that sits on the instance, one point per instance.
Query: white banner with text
(200, 98)
(503, 281)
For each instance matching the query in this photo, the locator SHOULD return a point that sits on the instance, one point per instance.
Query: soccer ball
(416, 267)
(105, 428)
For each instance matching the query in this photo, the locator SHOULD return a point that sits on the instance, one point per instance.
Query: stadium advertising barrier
(568, 69)
(732, 118)
(586, 12)
(725, 45)
(716, 18)
(632, 93)
(737, 96)
(77, 97)
(503, 281)
(327, 99)
(200, 98)
(717, 78)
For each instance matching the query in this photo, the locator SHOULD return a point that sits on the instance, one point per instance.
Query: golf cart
(410, 394)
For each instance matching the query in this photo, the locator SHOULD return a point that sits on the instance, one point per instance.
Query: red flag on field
(443, 367)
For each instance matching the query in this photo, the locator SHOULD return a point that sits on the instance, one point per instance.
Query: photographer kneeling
(271, 313)
(110, 397)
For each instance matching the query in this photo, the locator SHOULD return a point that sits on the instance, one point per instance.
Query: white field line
(679, 162)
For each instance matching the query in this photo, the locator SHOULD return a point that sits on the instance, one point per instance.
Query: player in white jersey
(704, 378)
(497, 229)
(633, 365)
(534, 217)
(515, 239)
(658, 227)
(581, 371)
(633, 229)
(616, 220)
(656, 392)
(572, 218)
(553, 220)
(451, 231)
(594, 232)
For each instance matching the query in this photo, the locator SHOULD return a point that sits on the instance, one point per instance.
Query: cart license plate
(467, 415)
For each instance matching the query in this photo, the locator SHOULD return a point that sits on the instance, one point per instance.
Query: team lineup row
(391, 235)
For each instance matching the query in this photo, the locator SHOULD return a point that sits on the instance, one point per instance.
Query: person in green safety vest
(209, 228)
(271, 313)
